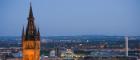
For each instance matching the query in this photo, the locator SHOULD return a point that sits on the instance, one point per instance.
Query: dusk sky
(72, 17)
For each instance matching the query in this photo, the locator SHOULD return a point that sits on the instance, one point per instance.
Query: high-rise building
(31, 40)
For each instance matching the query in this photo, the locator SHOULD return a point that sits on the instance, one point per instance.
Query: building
(109, 58)
(31, 39)
(6, 53)
(69, 55)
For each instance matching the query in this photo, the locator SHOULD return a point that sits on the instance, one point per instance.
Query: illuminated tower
(31, 40)
(126, 46)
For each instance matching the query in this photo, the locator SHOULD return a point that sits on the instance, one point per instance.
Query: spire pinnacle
(38, 34)
(30, 12)
(23, 32)
(23, 29)
(31, 28)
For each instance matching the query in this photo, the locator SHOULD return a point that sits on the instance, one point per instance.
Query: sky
(72, 17)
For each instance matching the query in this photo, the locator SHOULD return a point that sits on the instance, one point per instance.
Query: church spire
(31, 12)
(30, 39)
(31, 28)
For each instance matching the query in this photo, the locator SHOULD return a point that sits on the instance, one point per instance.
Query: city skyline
(79, 29)
(72, 17)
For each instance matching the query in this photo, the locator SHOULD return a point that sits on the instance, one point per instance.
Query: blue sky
(72, 17)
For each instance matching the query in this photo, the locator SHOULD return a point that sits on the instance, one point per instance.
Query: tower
(31, 39)
(126, 46)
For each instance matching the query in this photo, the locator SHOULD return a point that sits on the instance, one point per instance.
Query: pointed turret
(22, 36)
(23, 32)
(38, 34)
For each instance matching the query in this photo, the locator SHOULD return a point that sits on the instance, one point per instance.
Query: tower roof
(30, 11)
(31, 31)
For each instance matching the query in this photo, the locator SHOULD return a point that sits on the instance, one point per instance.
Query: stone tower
(31, 39)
